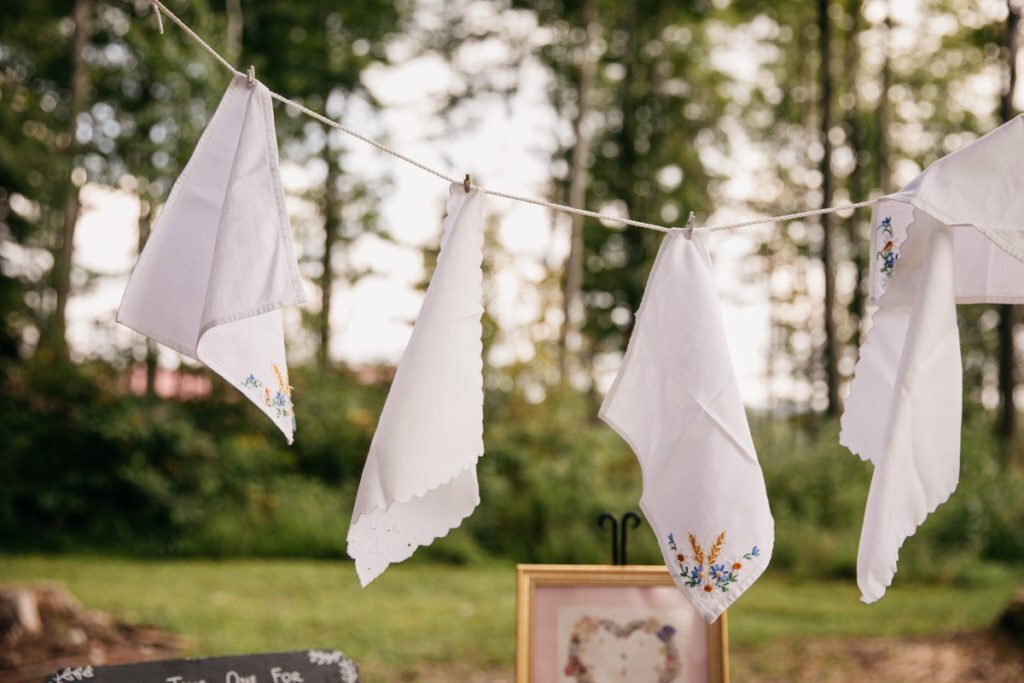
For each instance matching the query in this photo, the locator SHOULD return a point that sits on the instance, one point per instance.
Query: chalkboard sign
(303, 666)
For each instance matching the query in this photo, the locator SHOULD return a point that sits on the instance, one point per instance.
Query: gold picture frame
(643, 584)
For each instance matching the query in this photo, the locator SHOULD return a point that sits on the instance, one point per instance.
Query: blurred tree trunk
(775, 342)
(332, 219)
(233, 43)
(81, 15)
(858, 248)
(1007, 425)
(145, 229)
(830, 352)
(884, 173)
(572, 304)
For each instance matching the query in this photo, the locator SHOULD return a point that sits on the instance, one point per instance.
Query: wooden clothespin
(159, 16)
(691, 223)
(465, 184)
(250, 74)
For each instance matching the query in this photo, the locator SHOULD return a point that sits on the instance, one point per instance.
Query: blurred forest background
(107, 451)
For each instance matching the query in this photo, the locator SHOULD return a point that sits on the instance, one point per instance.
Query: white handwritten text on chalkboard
(74, 673)
(285, 676)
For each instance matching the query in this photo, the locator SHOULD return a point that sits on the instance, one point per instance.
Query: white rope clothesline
(160, 9)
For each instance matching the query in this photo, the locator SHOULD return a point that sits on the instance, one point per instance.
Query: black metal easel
(630, 520)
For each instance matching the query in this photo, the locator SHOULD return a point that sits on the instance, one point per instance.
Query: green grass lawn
(420, 614)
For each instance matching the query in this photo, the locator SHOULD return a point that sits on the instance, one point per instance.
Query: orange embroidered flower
(680, 557)
(737, 565)
(707, 588)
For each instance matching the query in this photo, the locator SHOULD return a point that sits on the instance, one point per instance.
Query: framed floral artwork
(604, 624)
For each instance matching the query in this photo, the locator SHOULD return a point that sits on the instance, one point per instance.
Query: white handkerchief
(953, 235)
(419, 481)
(677, 403)
(219, 266)
(918, 436)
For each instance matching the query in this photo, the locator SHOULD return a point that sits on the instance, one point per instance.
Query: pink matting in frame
(591, 624)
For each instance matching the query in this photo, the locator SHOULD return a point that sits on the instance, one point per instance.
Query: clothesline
(159, 8)
(228, 210)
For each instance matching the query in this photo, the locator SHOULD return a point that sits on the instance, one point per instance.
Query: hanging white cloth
(677, 403)
(419, 480)
(953, 235)
(219, 264)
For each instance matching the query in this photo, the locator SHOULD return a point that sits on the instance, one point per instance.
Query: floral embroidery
(280, 401)
(707, 573)
(666, 670)
(888, 253)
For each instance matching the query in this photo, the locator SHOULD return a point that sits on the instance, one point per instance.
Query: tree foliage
(90, 464)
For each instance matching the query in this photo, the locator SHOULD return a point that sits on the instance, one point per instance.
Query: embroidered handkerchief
(951, 236)
(419, 480)
(979, 186)
(677, 403)
(219, 265)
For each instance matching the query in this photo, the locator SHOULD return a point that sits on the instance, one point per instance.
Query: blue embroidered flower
(280, 401)
(695, 575)
(756, 552)
(888, 253)
(666, 633)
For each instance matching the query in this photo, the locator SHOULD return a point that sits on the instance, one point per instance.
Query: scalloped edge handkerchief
(419, 480)
(953, 235)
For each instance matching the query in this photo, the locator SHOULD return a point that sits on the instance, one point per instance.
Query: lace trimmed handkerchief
(953, 235)
(419, 480)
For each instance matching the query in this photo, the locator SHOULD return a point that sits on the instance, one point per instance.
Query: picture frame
(587, 623)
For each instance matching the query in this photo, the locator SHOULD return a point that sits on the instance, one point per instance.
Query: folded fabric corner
(419, 480)
(219, 265)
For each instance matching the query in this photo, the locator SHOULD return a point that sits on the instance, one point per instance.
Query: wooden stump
(44, 628)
